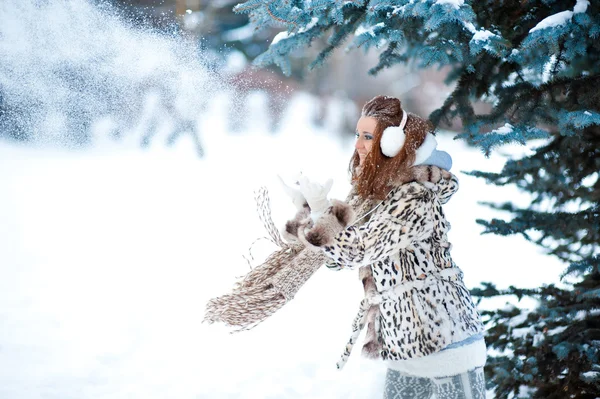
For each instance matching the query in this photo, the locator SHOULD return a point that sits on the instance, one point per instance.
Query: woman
(420, 316)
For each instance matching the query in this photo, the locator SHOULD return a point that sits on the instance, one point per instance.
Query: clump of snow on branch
(561, 18)
(454, 3)
(284, 35)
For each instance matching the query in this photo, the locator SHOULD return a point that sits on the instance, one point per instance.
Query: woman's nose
(359, 143)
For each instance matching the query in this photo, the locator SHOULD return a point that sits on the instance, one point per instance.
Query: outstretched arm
(401, 218)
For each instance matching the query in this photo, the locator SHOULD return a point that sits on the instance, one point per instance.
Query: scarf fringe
(244, 309)
(269, 286)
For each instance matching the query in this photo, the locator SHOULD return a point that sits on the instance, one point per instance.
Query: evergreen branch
(505, 135)
(565, 227)
(387, 59)
(456, 103)
(548, 175)
(248, 6)
(582, 267)
(490, 290)
(339, 35)
(276, 18)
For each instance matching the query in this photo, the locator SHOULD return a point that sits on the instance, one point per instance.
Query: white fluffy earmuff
(392, 138)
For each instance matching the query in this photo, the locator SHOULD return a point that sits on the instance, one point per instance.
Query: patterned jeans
(469, 385)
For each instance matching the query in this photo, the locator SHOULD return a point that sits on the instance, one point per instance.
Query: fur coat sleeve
(402, 217)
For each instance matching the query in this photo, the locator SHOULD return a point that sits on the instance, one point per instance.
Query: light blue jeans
(469, 385)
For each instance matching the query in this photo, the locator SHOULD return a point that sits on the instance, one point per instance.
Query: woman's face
(364, 136)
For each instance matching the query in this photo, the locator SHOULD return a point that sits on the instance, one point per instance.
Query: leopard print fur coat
(415, 300)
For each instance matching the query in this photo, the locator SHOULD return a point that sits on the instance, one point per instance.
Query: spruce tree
(537, 63)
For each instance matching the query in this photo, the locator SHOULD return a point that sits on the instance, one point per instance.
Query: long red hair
(376, 176)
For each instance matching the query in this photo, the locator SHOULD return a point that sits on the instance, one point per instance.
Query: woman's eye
(356, 135)
(368, 137)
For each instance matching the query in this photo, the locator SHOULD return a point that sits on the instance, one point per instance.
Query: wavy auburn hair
(376, 176)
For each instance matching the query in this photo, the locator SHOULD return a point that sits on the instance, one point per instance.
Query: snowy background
(109, 252)
(109, 255)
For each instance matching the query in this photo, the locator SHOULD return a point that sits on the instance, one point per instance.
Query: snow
(581, 6)
(192, 20)
(310, 25)
(521, 318)
(506, 129)
(279, 37)
(526, 392)
(361, 30)
(591, 375)
(547, 74)
(538, 339)
(482, 35)
(49, 47)
(521, 332)
(531, 75)
(398, 10)
(561, 18)
(581, 315)
(552, 21)
(557, 330)
(470, 27)
(284, 35)
(512, 78)
(236, 62)
(454, 3)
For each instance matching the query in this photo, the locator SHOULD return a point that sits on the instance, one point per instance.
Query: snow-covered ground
(108, 256)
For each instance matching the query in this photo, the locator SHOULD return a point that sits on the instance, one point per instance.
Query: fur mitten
(290, 231)
(335, 219)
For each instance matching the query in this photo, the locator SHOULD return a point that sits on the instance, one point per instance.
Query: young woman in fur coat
(419, 315)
